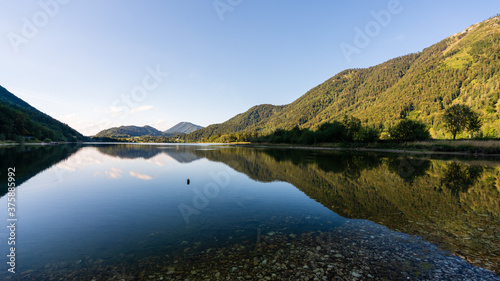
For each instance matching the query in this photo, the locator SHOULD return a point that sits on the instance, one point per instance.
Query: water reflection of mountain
(30, 160)
(452, 203)
(129, 151)
(181, 156)
(181, 153)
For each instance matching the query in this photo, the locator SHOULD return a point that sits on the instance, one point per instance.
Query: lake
(171, 212)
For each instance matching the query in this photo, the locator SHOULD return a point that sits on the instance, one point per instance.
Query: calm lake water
(127, 212)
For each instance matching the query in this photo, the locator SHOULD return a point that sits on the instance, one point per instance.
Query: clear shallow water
(105, 208)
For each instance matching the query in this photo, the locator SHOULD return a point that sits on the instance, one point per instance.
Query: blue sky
(96, 64)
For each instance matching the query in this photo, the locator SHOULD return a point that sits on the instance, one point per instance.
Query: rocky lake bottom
(355, 251)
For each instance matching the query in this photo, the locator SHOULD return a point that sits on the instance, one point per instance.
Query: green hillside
(18, 120)
(128, 131)
(183, 128)
(464, 68)
(252, 120)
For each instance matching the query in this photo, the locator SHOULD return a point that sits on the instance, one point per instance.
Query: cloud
(162, 159)
(141, 108)
(114, 173)
(80, 159)
(141, 176)
(66, 166)
(104, 118)
(157, 162)
(115, 111)
(72, 119)
(85, 126)
(161, 125)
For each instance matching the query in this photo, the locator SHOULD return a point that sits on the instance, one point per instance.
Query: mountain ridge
(127, 131)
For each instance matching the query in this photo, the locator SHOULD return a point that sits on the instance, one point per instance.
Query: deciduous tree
(460, 117)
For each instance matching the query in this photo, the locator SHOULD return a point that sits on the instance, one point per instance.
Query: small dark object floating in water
(188, 181)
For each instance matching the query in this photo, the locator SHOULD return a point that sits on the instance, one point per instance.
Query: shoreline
(36, 143)
(432, 150)
(367, 149)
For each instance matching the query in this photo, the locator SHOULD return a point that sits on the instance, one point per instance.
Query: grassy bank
(480, 147)
(31, 143)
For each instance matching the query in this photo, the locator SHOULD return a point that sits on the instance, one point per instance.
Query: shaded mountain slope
(18, 119)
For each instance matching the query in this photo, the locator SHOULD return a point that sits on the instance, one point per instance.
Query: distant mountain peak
(183, 128)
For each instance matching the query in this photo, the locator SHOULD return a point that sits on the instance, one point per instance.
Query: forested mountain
(463, 68)
(18, 120)
(183, 128)
(252, 120)
(128, 131)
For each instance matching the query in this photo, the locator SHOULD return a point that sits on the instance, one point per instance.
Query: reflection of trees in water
(350, 165)
(181, 153)
(30, 160)
(395, 191)
(264, 165)
(252, 162)
(128, 151)
(459, 178)
(354, 165)
(408, 168)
